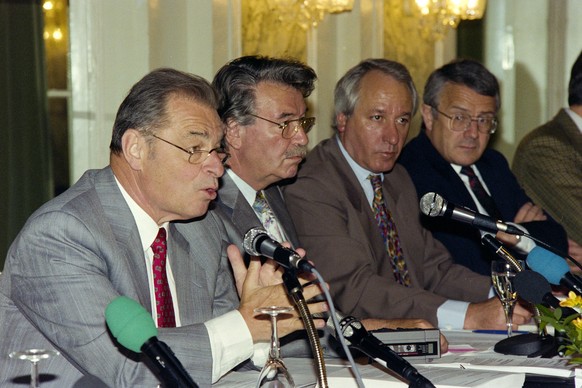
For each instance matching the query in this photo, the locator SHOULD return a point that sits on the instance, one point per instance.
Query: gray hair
(236, 82)
(144, 108)
(466, 72)
(347, 88)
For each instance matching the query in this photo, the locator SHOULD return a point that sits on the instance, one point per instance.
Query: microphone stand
(295, 291)
(530, 344)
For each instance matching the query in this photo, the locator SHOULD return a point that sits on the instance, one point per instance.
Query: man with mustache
(450, 156)
(262, 104)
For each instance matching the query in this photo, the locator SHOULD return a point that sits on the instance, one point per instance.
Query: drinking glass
(274, 374)
(34, 356)
(502, 274)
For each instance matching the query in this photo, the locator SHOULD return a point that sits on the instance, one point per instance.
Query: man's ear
(341, 120)
(427, 116)
(134, 148)
(233, 133)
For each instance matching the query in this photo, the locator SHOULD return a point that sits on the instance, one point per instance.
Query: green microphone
(133, 327)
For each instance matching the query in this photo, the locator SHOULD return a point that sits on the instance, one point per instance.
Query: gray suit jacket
(81, 250)
(234, 208)
(239, 217)
(336, 225)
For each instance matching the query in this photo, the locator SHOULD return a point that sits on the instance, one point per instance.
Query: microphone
(358, 337)
(497, 247)
(534, 288)
(257, 242)
(554, 268)
(133, 327)
(433, 205)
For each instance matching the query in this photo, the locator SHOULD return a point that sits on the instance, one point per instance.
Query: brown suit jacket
(336, 225)
(548, 164)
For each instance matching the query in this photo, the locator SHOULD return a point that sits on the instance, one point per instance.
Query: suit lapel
(124, 233)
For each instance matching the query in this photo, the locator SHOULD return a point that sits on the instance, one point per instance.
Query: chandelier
(308, 13)
(438, 16)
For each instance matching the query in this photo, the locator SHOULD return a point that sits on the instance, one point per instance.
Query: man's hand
(489, 315)
(528, 212)
(574, 251)
(261, 285)
(404, 323)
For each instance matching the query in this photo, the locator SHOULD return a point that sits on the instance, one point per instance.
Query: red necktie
(389, 233)
(164, 304)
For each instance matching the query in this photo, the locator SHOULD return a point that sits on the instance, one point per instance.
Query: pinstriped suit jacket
(548, 164)
(77, 253)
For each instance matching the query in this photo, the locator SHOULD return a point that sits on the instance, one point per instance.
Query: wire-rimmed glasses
(199, 156)
(290, 127)
(460, 122)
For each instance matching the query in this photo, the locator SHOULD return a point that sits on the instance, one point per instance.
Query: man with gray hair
(356, 212)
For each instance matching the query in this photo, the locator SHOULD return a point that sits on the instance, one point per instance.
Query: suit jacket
(336, 225)
(76, 254)
(548, 164)
(430, 172)
(232, 206)
(239, 217)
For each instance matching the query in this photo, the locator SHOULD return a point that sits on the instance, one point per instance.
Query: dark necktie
(480, 192)
(389, 233)
(164, 304)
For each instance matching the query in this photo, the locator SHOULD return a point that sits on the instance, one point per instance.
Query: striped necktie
(389, 232)
(164, 303)
(482, 196)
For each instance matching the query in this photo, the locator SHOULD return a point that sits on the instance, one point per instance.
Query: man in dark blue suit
(450, 157)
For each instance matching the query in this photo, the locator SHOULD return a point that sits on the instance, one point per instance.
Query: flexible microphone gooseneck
(434, 205)
(133, 327)
(257, 242)
(358, 337)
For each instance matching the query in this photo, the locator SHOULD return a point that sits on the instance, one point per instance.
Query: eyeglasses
(460, 122)
(290, 127)
(199, 156)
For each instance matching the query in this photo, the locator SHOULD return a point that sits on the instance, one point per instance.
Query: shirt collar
(575, 117)
(247, 191)
(146, 226)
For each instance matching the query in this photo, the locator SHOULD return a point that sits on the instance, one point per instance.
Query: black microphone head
(531, 286)
(250, 239)
(351, 328)
(432, 204)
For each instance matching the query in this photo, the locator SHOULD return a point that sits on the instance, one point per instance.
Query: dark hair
(236, 81)
(575, 86)
(466, 72)
(347, 88)
(144, 107)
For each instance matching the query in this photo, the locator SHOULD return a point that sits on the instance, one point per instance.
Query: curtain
(25, 170)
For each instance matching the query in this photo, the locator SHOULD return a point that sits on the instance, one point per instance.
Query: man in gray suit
(262, 104)
(86, 247)
(403, 272)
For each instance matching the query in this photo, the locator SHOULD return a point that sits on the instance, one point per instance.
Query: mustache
(297, 151)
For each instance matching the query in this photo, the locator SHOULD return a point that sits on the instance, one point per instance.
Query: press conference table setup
(470, 362)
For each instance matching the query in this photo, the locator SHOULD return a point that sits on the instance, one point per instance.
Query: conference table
(469, 363)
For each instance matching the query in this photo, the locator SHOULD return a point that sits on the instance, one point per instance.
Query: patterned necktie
(267, 217)
(164, 304)
(480, 192)
(389, 233)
